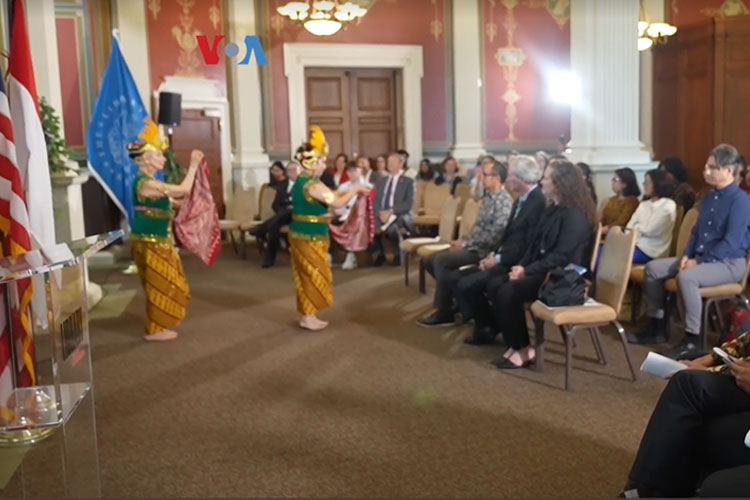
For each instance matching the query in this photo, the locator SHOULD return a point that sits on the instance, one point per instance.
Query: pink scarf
(356, 233)
(197, 223)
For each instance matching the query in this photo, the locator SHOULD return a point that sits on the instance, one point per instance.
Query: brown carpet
(246, 404)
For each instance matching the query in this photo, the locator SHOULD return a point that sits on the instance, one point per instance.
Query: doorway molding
(407, 58)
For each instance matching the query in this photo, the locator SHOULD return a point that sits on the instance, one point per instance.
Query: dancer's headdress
(151, 140)
(310, 152)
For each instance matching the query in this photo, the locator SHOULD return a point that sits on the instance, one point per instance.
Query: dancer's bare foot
(161, 336)
(312, 322)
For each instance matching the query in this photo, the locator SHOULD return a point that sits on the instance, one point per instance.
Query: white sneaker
(350, 262)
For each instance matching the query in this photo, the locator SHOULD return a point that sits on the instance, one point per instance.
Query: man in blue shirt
(714, 255)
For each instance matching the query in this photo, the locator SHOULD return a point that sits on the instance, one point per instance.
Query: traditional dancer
(151, 243)
(308, 231)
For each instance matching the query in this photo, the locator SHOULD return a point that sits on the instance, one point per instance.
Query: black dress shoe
(379, 261)
(690, 348)
(266, 264)
(396, 262)
(435, 320)
(483, 335)
(654, 333)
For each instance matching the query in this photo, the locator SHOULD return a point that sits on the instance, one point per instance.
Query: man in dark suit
(270, 230)
(523, 177)
(394, 199)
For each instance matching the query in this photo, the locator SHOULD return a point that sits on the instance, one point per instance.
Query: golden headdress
(310, 152)
(151, 140)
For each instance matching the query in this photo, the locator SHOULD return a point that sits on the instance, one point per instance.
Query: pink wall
(543, 36)
(70, 83)
(410, 22)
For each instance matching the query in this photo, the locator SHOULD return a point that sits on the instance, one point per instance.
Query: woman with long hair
(276, 173)
(426, 171)
(586, 171)
(654, 218)
(563, 237)
(620, 207)
(682, 194)
(339, 169)
(151, 242)
(449, 174)
(308, 231)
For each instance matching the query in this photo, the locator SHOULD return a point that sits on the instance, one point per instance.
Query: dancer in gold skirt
(308, 231)
(151, 242)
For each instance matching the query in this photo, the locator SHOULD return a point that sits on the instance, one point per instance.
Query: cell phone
(723, 355)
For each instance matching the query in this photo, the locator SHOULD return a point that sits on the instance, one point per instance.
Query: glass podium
(48, 445)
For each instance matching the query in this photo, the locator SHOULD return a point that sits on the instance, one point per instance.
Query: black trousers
(391, 234)
(470, 291)
(698, 427)
(444, 268)
(270, 230)
(727, 483)
(508, 301)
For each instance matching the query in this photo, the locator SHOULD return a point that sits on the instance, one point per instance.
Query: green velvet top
(153, 216)
(307, 221)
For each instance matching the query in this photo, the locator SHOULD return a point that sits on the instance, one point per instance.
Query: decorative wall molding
(407, 58)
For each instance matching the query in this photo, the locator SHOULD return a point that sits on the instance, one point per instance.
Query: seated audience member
(469, 289)
(380, 171)
(364, 164)
(405, 154)
(269, 232)
(494, 212)
(353, 224)
(727, 483)
(654, 218)
(476, 185)
(620, 207)
(682, 194)
(449, 174)
(394, 199)
(426, 172)
(586, 171)
(276, 174)
(339, 169)
(743, 179)
(563, 237)
(699, 426)
(714, 255)
(542, 159)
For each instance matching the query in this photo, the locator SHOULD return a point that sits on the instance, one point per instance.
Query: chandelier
(324, 17)
(650, 33)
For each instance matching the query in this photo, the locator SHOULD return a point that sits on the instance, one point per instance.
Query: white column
(250, 160)
(604, 56)
(655, 11)
(40, 24)
(467, 79)
(129, 17)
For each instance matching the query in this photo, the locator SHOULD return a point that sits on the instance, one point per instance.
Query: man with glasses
(714, 254)
(494, 213)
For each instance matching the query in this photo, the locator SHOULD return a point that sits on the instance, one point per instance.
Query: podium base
(10, 439)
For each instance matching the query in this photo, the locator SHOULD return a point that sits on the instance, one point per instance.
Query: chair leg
(538, 345)
(422, 272)
(703, 334)
(243, 245)
(624, 340)
(595, 333)
(405, 260)
(568, 336)
(234, 243)
(635, 302)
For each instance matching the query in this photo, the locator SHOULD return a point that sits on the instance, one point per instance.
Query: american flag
(14, 224)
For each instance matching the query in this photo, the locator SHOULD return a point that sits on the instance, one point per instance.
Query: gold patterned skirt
(163, 280)
(311, 273)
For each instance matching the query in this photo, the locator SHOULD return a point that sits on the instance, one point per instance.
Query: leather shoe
(435, 320)
(481, 336)
(379, 260)
(690, 348)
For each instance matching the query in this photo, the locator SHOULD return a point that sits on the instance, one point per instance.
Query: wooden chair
(611, 284)
(445, 234)
(463, 193)
(468, 218)
(265, 212)
(595, 248)
(419, 187)
(713, 295)
(242, 211)
(434, 198)
(683, 225)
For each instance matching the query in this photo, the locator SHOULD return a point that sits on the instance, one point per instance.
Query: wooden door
(356, 109)
(200, 130)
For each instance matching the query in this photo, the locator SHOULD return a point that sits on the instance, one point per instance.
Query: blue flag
(116, 121)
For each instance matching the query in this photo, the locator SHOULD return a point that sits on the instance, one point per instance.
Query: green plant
(57, 149)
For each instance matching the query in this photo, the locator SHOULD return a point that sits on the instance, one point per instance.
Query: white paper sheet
(661, 366)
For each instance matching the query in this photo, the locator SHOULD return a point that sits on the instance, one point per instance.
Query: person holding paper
(699, 425)
(151, 242)
(394, 198)
(714, 255)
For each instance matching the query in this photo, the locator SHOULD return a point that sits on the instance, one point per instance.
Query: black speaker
(170, 108)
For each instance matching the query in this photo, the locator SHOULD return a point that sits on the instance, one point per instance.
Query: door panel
(198, 131)
(328, 106)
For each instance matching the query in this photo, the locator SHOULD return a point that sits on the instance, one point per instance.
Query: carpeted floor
(246, 404)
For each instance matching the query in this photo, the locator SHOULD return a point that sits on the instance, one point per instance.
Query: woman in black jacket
(449, 174)
(564, 237)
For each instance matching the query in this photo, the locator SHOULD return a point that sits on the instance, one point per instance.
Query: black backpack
(563, 288)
